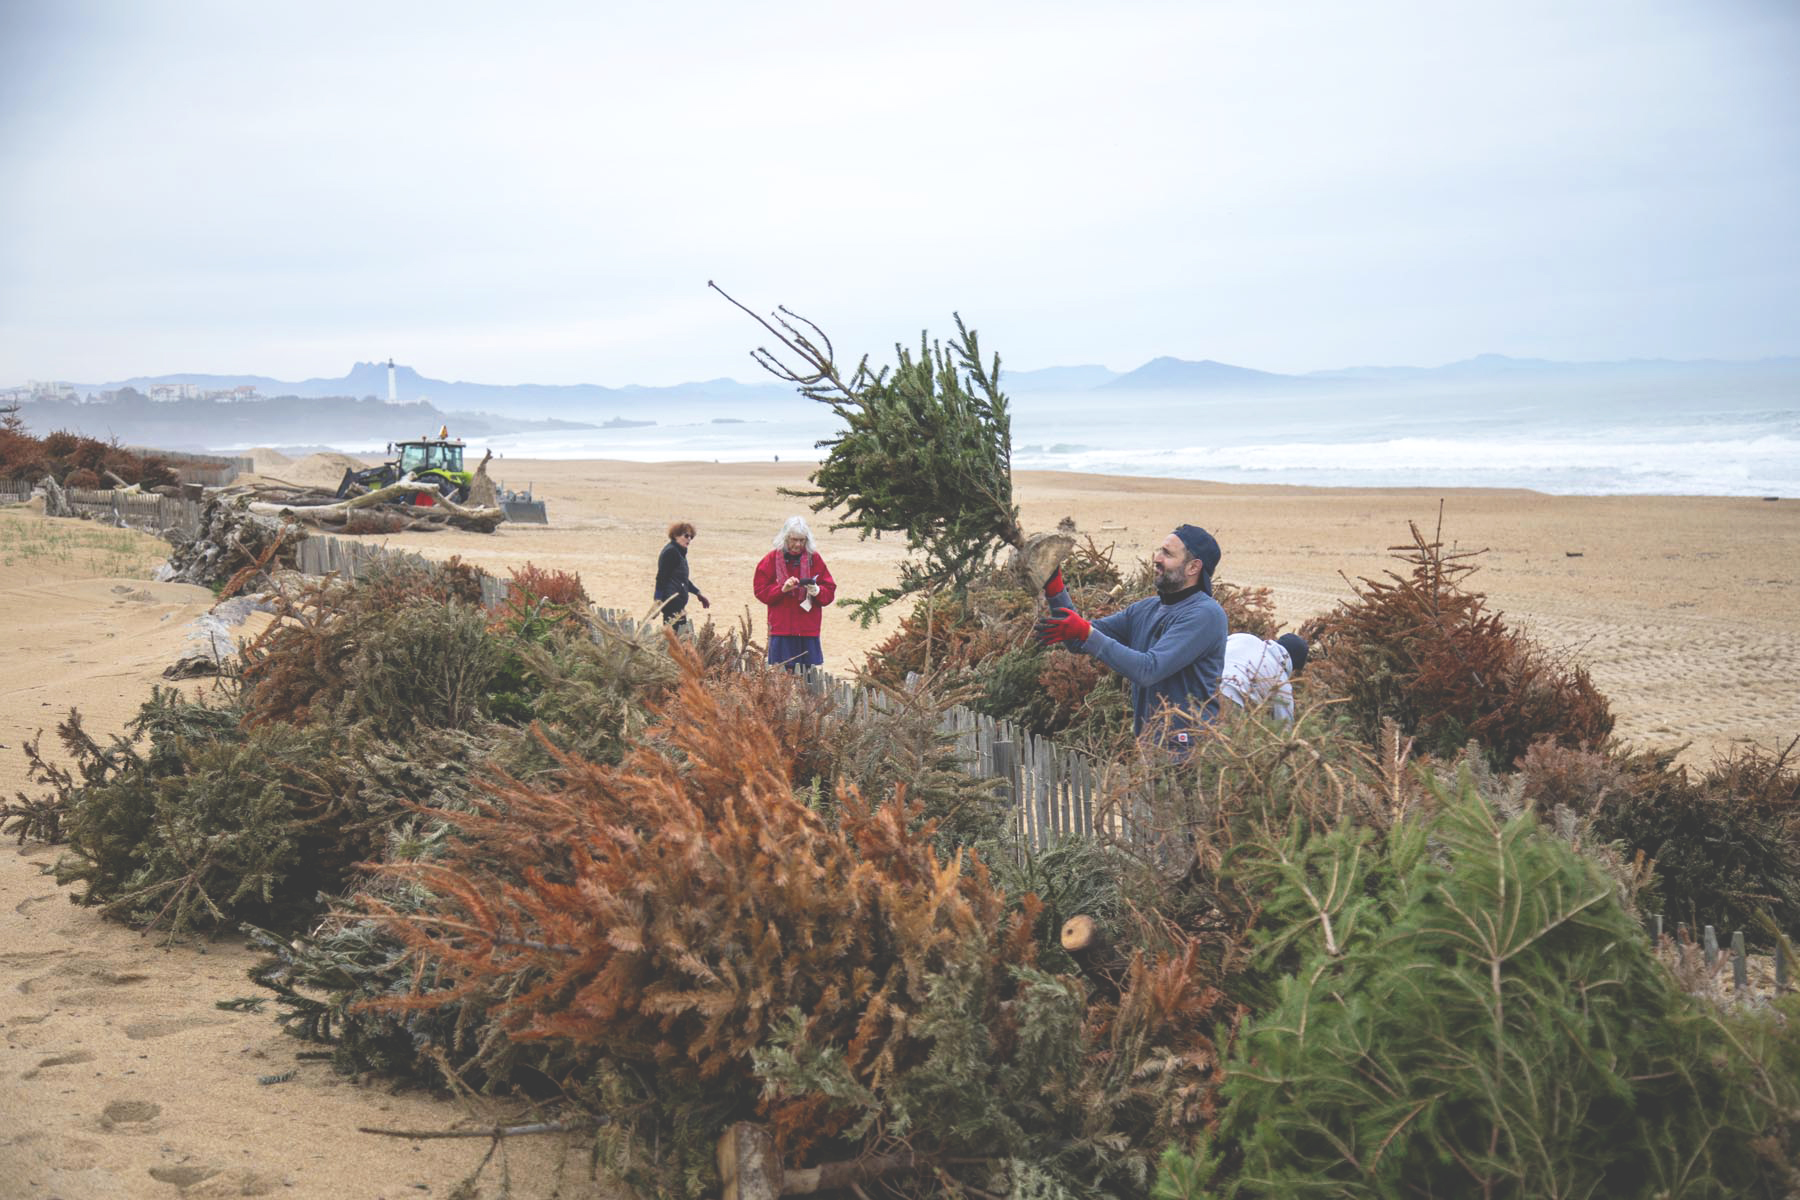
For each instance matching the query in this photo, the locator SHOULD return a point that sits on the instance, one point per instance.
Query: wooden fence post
(1003, 768)
(1740, 970)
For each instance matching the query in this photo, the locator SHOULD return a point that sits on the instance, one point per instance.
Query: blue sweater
(1172, 654)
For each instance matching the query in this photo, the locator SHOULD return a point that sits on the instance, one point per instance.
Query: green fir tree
(925, 452)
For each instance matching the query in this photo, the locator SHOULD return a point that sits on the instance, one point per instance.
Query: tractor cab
(429, 454)
(434, 462)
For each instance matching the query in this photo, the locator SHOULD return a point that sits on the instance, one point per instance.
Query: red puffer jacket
(786, 617)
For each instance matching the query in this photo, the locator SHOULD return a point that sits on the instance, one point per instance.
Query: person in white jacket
(1258, 672)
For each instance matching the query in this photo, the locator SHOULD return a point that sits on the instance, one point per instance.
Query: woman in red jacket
(793, 581)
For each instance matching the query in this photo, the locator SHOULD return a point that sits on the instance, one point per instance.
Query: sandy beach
(120, 1077)
(1686, 610)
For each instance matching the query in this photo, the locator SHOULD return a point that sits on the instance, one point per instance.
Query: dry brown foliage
(1424, 651)
(302, 662)
(1248, 609)
(76, 461)
(667, 911)
(1575, 778)
(558, 587)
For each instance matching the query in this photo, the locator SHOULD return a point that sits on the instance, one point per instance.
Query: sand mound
(321, 470)
(268, 461)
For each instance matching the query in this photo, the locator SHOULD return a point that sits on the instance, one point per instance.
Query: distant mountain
(135, 419)
(578, 401)
(488, 408)
(1058, 379)
(1501, 366)
(1174, 374)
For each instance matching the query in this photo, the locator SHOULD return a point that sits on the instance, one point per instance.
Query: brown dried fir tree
(668, 911)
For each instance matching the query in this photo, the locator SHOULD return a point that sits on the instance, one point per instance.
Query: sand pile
(268, 461)
(321, 470)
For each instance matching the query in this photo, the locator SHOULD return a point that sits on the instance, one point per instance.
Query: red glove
(1054, 584)
(1063, 625)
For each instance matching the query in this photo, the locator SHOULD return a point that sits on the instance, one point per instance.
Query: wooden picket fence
(138, 510)
(208, 470)
(1709, 950)
(1050, 788)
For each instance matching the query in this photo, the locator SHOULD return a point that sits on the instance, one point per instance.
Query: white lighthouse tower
(393, 391)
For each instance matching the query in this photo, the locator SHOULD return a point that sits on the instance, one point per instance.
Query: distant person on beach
(1260, 672)
(1170, 646)
(793, 581)
(672, 582)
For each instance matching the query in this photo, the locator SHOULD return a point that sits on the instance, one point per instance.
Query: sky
(539, 192)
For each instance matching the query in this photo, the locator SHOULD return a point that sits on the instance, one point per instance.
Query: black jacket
(672, 577)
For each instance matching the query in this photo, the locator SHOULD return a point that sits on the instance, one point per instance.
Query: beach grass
(71, 546)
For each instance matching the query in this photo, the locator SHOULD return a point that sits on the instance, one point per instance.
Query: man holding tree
(1170, 646)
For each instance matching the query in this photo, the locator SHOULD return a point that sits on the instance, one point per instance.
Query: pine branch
(925, 451)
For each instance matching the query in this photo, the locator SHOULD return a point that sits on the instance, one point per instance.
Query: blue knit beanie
(1296, 647)
(1203, 546)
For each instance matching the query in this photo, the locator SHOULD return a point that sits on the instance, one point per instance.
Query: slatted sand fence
(1050, 788)
(349, 559)
(208, 470)
(1710, 951)
(137, 510)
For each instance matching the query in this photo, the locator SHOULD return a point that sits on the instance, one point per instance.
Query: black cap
(1203, 546)
(1295, 645)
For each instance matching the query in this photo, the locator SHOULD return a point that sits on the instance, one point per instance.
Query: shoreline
(500, 463)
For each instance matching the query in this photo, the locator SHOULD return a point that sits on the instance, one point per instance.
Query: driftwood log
(228, 542)
(441, 512)
(56, 503)
(750, 1167)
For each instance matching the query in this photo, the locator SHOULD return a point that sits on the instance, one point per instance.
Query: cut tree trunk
(1087, 942)
(750, 1167)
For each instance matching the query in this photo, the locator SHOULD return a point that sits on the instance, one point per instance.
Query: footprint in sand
(128, 1112)
(195, 1180)
(28, 958)
(60, 1060)
(236, 1182)
(140, 1031)
(183, 1177)
(78, 975)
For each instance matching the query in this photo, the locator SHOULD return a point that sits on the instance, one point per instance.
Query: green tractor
(436, 464)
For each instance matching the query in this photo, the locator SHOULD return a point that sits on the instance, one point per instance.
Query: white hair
(795, 525)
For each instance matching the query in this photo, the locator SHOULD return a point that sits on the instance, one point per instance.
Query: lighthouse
(393, 392)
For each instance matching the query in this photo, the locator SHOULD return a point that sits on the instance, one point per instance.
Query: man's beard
(1171, 581)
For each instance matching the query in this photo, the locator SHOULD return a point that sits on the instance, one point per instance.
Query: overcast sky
(537, 192)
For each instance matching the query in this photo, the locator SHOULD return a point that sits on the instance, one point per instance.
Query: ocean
(1586, 437)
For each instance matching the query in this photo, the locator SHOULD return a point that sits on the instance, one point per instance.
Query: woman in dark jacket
(672, 582)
